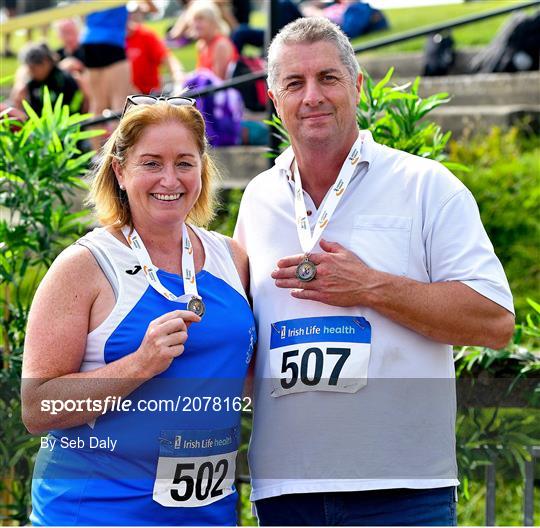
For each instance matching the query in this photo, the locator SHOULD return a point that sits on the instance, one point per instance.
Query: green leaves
(280, 132)
(395, 116)
(497, 434)
(40, 171)
(505, 185)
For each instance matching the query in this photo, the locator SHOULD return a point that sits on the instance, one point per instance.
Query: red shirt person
(146, 53)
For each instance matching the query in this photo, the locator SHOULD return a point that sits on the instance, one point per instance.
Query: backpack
(360, 18)
(439, 54)
(222, 111)
(254, 94)
(516, 47)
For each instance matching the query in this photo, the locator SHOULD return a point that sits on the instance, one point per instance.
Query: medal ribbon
(150, 271)
(307, 240)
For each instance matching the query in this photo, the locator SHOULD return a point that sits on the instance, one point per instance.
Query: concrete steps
(480, 118)
(482, 101)
(486, 88)
(478, 103)
(238, 165)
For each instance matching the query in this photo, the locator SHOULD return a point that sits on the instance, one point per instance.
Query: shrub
(505, 184)
(40, 171)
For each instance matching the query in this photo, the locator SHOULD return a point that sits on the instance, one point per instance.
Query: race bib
(319, 354)
(195, 468)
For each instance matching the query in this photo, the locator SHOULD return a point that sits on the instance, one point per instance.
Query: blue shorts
(393, 507)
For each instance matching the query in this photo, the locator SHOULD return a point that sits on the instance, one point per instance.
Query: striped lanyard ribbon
(150, 271)
(308, 240)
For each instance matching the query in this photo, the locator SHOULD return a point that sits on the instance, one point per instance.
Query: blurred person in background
(354, 17)
(245, 34)
(41, 70)
(104, 47)
(146, 53)
(215, 50)
(71, 55)
(216, 56)
(234, 13)
(69, 33)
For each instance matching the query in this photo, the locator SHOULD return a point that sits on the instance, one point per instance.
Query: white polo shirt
(401, 214)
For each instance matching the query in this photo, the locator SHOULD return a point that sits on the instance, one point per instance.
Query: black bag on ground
(439, 55)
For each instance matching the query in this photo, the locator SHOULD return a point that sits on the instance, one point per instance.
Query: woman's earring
(122, 187)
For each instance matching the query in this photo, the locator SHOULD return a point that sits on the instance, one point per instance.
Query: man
(69, 34)
(360, 285)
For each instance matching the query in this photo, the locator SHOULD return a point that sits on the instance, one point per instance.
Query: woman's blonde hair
(109, 202)
(207, 9)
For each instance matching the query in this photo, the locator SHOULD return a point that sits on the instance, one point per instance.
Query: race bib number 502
(195, 468)
(319, 354)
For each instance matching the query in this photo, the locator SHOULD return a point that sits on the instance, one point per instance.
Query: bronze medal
(306, 271)
(196, 305)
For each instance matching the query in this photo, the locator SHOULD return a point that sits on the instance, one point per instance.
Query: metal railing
(528, 492)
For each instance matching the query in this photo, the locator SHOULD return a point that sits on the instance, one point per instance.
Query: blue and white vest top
(169, 458)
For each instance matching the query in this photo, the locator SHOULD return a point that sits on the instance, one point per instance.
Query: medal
(196, 305)
(191, 296)
(306, 271)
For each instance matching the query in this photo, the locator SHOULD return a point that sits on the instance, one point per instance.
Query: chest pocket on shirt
(382, 242)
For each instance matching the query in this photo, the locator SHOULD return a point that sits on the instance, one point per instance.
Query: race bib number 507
(319, 354)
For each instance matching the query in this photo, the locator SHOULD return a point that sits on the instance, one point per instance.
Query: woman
(215, 50)
(109, 329)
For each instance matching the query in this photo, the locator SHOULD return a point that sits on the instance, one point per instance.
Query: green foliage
(503, 436)
(505, 184)
(519, 359)
(508, 504)
(40, 171)
(394, 115)
(228, 212)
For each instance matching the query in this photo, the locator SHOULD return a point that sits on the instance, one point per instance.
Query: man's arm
(449, 312)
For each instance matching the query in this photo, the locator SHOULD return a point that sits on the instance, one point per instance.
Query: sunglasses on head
(134, 100)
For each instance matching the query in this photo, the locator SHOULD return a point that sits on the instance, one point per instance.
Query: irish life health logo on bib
(195, 467)
(319, 354)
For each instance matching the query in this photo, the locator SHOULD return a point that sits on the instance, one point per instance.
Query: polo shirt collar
(284, 160)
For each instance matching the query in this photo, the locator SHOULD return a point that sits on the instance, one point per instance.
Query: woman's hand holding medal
(164, 340)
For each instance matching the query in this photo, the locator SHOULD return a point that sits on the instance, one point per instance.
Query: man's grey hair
(308, 31)
(36, 53)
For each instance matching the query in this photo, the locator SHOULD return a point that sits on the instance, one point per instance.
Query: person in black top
(41, 63)
(245, 34)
